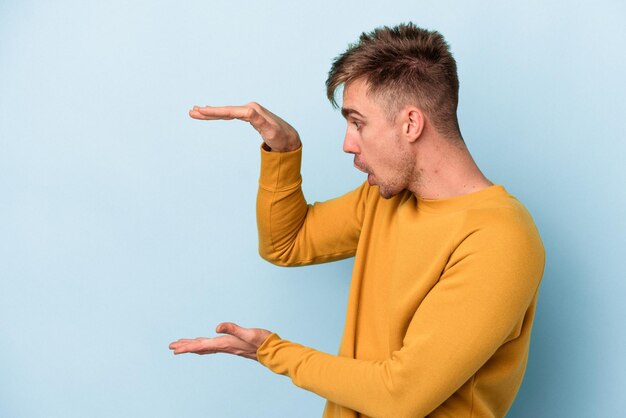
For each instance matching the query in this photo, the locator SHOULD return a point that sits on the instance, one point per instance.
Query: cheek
(389, 157)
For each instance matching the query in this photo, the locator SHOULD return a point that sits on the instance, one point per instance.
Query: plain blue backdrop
(125, 225)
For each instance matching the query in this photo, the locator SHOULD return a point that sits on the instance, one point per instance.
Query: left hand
(242, 342)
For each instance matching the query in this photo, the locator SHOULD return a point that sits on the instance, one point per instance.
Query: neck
(444, 169)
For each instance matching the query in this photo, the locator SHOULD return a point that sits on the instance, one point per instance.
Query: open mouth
(358, 167)
(370, 176)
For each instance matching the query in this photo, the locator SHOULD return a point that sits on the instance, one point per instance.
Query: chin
(387, 193)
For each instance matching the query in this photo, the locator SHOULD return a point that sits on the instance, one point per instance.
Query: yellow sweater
(441, 302)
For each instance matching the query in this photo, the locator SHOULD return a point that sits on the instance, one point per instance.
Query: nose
(349, 144)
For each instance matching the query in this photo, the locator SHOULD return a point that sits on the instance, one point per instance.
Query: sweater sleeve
(477, 306)
(292, 232)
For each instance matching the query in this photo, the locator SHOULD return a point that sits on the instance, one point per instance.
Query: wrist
(286, 148)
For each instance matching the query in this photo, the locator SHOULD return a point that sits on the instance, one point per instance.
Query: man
(447, 265)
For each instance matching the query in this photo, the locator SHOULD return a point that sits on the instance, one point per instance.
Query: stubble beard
(406, 177)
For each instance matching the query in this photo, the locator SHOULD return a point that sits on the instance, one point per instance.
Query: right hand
(243, 342)
(277, 134)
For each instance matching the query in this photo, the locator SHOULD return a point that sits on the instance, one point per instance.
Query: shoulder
(503, 227)
(498, 242)
(503, 214)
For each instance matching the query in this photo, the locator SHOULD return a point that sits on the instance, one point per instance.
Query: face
(376, 143)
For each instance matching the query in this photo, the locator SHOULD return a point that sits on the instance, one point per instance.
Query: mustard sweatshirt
(441, 302)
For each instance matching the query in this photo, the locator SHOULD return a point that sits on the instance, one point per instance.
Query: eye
(357, 124)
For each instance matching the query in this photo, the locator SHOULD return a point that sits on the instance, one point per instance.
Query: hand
(242, 342)
(276, 133)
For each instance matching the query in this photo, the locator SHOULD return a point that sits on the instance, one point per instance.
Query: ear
(413, 124)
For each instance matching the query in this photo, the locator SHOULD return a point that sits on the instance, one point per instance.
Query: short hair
(403, 65)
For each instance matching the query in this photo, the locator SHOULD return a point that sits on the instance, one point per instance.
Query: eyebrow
(346, 111)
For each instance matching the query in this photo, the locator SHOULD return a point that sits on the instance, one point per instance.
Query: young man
(447, 265)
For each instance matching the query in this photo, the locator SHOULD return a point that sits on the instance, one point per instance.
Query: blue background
(125, 225)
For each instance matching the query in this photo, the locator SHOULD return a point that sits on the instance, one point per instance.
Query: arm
(290, 231)
(476, 308)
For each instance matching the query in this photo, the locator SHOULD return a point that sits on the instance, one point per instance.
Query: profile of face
(377, 144)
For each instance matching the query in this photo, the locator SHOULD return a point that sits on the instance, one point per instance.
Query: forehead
(355, 90)
(355, 97)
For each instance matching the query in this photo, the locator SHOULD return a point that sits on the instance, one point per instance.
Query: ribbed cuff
(280, 170)
(265, 350)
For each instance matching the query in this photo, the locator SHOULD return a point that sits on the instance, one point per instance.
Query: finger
(175, 345)
(197, 345)
(226, 344)
(223, 344)
(196, 114)
(184, 341)
(197, 348)
(252, 113)
(245, 334)
(180, 342)
(226, 328)
(225, 112)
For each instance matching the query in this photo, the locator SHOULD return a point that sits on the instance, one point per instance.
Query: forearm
(292, 232)
(374, 388)
(477, 307)
(281, 206)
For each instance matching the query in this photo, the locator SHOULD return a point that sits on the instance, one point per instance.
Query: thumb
(232, 329)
